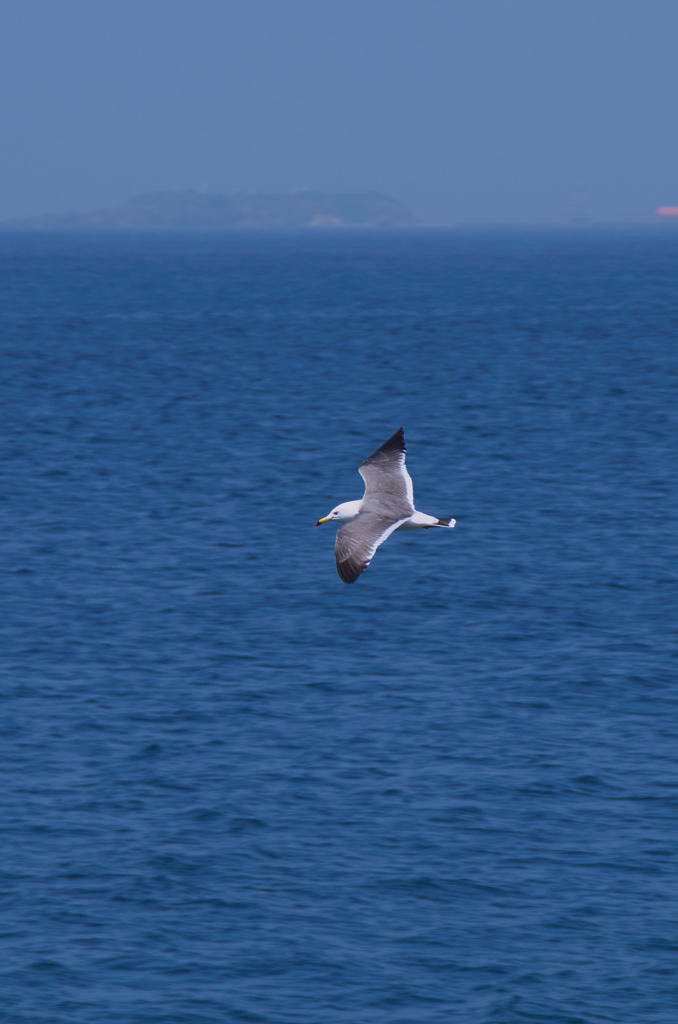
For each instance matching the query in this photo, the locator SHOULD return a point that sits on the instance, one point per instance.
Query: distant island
(202, 210)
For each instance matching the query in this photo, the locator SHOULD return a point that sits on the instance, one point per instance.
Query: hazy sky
(467, 110)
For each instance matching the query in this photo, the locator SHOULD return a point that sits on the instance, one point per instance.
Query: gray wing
(388, 486)
(358, 540)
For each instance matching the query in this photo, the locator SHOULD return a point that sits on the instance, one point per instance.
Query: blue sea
(235, 789)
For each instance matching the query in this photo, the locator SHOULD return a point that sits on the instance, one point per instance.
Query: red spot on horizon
(668, 211)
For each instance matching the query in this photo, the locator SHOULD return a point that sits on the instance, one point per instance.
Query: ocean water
(235, 789)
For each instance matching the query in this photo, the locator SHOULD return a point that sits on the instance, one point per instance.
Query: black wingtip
(395, 443)
(348, 576)
(349, 571)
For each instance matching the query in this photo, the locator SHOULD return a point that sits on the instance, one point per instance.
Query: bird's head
(342, 513)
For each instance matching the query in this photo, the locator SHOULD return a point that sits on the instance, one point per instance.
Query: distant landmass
(191, 210)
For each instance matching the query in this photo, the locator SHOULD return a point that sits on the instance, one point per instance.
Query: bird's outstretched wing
(358, 540)
(388, 485)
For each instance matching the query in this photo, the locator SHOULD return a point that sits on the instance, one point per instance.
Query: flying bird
(387, 505)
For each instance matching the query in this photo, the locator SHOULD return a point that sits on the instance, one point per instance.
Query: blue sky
(467, 110)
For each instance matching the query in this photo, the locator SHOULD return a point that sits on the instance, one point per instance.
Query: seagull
(387, 505)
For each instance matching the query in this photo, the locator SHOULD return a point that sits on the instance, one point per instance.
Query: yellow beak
(325, 520)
